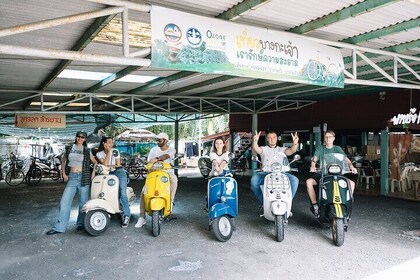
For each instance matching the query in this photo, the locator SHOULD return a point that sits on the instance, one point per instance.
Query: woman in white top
(219, 157)
(109, 156)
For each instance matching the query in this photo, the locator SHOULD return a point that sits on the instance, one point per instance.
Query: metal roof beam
(300, 92)
(352, 11)
(297, 90)
(87, 37)
(112, 78)
(232, 87)
(396, 49)
(200, 84)
(160, 82)
(386, 31)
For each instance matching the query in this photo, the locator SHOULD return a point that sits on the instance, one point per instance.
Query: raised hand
(256, 136)
(295, 138)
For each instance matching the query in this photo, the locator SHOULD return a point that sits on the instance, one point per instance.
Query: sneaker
(141, 222)
(51, 232)
(80, 228)
(315, 210)
(125, 221)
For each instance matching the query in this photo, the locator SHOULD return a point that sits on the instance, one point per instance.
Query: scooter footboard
(220, 209)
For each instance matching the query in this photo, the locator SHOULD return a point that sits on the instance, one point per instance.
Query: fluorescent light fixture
(45, 103)
(79, 104)
(98, 76)
(136, 79)
(57, 94)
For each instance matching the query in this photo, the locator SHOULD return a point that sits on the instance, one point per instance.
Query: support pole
(254, 129)
(384, 161)
(176, 134)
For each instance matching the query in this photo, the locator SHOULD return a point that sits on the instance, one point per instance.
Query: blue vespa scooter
(222, 205)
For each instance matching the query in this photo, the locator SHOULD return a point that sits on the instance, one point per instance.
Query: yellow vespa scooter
(157, 194)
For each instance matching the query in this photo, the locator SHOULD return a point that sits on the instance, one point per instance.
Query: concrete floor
(378, 244)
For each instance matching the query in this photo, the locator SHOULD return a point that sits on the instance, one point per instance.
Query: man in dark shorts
(313, 180)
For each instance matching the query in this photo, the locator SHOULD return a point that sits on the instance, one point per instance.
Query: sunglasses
(81, 136)
(161, 140)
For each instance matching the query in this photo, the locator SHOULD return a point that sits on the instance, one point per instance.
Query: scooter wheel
(156, 223)
(222, 228)
(279, 227)
(96, 222)
(337, 229)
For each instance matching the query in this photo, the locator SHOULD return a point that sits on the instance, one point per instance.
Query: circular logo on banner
(194, 37)
(172, 32)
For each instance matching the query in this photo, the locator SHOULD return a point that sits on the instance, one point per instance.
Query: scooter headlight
(164, 179)
(223, 198)
(334, 169)
(111, 182)
(276, 167)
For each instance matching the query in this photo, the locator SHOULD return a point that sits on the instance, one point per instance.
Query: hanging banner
(195, 43)
(40, 120)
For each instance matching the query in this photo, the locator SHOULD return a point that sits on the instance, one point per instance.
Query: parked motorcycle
(277, 194)
(335, 199)
(222, 205)
(104, 201)
(157, 194)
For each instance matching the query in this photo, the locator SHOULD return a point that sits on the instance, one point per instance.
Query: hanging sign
(195, 43)
(405, 119)
(40, 120)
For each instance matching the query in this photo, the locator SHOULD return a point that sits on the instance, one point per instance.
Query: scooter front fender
(95, 204)
(157, 204)
(337, 211)
(278, 208)
(220, 209)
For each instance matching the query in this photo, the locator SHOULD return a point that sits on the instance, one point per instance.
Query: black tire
(134, 172)
(279, 227)
(125, 159)
(143, 172)
(34, 176)
(337, 229)
(14, 177)
(96, 222)
(222, 228)
(55, 174)
(155, 223)
(204, 164)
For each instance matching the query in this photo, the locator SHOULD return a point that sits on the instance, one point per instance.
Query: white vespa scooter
(104, 201)
(277, 194)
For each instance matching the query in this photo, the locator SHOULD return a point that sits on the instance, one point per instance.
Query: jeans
(122, 177)
(73, 185)
(258, 179)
